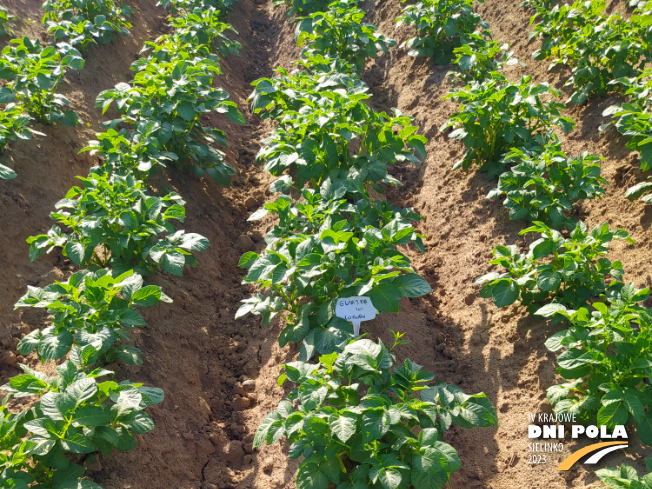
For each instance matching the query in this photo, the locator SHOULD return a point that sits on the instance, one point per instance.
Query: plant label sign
(355, 310)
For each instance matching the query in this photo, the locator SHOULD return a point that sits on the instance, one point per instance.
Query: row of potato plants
(597, 47)
(632, 119)
(509, 128)
(118, 231)
(606, 53)
(353, 414)
(605, 354)
(34, 72)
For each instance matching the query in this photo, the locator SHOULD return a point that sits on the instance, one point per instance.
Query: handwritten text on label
(355, 310)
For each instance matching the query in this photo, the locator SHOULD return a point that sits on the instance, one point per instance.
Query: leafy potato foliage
(324, 249)
(633, 119)
(182, 7)
(598, 48)
(168, 99)
(543, 185)
(197, 33)
(327, 130)
(6, 19)
(605, 357)
(340, 32)
(130, 154)
(113, 221)
(273, 97)
(534, 4)
(626, 476)
(14, 125)
(35, 73)
(478, 57)
(496, 115)
(303, 7)
(334, 198)
(83, 22)
(336, 241)
(568, 271)
(352, 418)
(75, 414)
(90, 308)
(442, 26)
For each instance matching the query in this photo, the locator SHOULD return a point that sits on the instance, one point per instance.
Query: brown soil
(200, 355)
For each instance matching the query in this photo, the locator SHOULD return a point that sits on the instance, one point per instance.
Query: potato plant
(626, 477)
(169, 97)
(544, 185)
(76, 414)
(35, 73)
(90, 308)
(326, 130)
(204, 26)
(337, 241)
(14, 125)
(598, 48)
(334, 198)
(195, 34)
(340, 32)
(181, 7)
(605, 359)
(556, 269)
(534, 4)
(135, 153)
(273, 97)
(633, 119)
(318, 64)
(162, 110)
(442, 26)
(83, 22)
(332, 249)
(303, 7)
(6, 19)
(315, 249)
(113, 221)
(353, 418)
(478, 57)
(496, 115)
(557, 24)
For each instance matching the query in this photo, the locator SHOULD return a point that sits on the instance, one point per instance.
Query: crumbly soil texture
(202, 357)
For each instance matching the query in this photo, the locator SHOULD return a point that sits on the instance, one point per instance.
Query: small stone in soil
(241, 403)
(256, 236)
(244, 244)
(8, 358)
(233, 451)
(239, 389)
(250, 203)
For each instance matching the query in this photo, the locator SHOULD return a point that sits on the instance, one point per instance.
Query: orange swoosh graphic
(574, 457)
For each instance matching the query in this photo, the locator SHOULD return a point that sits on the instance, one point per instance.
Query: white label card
(355, 310)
